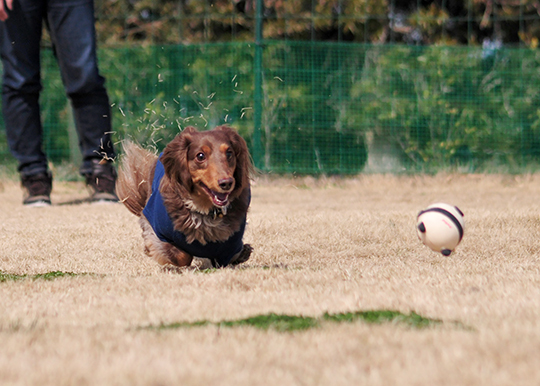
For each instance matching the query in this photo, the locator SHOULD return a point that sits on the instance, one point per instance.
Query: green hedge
(325, 106)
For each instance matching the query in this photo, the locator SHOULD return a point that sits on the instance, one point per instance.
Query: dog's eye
(229, 154)
(200, 157)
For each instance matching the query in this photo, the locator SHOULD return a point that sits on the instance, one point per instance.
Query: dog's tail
(135, 175)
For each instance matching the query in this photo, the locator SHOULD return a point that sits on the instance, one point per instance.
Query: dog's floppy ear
(244, 167)
(175, 158)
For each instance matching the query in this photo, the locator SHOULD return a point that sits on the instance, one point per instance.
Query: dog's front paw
(201, 263)
(242, 256)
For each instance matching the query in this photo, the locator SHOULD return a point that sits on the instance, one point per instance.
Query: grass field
(339, 291)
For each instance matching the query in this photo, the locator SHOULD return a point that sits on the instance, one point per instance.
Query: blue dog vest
(156, 214)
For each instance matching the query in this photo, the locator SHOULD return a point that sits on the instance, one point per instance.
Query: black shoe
(102, 182)
(37, 189)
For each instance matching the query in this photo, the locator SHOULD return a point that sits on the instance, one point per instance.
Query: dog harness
(220, 252)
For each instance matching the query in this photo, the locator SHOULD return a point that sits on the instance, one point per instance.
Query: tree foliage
(367, 21)
(442, 82)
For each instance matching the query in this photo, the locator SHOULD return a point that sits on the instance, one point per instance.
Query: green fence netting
(323, 108)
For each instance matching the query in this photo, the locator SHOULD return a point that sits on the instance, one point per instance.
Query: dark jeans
(72, 30)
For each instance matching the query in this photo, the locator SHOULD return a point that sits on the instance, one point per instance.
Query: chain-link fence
(312, 87)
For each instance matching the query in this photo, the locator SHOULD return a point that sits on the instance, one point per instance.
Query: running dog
(192, 199)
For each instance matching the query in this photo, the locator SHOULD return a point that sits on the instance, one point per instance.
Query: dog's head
(213, 167)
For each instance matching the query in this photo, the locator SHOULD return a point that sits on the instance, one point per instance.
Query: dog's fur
(204, 171)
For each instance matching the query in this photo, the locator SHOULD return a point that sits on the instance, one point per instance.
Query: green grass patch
(289, 323)
(208, 270)
(282, 323)
(384, 316)
(276, 322)
(10, 277)
(4, 277)
(174, 326)
(55, 275)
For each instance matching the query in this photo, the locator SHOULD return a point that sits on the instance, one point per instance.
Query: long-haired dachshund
(192, 199)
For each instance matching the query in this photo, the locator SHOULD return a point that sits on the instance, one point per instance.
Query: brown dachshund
(192, 199)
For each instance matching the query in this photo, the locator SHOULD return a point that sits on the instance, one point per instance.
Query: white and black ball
(440, 227)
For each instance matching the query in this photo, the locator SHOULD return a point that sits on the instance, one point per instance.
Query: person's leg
(20, 37)
(73, 34)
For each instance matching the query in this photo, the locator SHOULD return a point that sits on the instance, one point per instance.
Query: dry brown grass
(320, 246)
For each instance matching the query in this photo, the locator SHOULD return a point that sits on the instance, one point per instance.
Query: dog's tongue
(220, 199)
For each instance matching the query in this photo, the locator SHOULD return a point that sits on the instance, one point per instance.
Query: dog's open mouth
(219, 199)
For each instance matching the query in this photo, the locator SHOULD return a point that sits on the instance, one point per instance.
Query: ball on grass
(440, 227)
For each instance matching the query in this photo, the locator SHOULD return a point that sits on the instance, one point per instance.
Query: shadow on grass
(290, 323)
(241, 267)
(79, 201)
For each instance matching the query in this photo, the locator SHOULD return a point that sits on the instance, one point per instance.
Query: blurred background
(320, 86)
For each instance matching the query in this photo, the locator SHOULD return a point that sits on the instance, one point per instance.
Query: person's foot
(37, 189)
(102, 182)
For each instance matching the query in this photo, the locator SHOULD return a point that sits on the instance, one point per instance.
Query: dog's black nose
(226, 183)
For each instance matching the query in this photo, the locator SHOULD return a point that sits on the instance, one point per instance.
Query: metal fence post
(257, 66)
